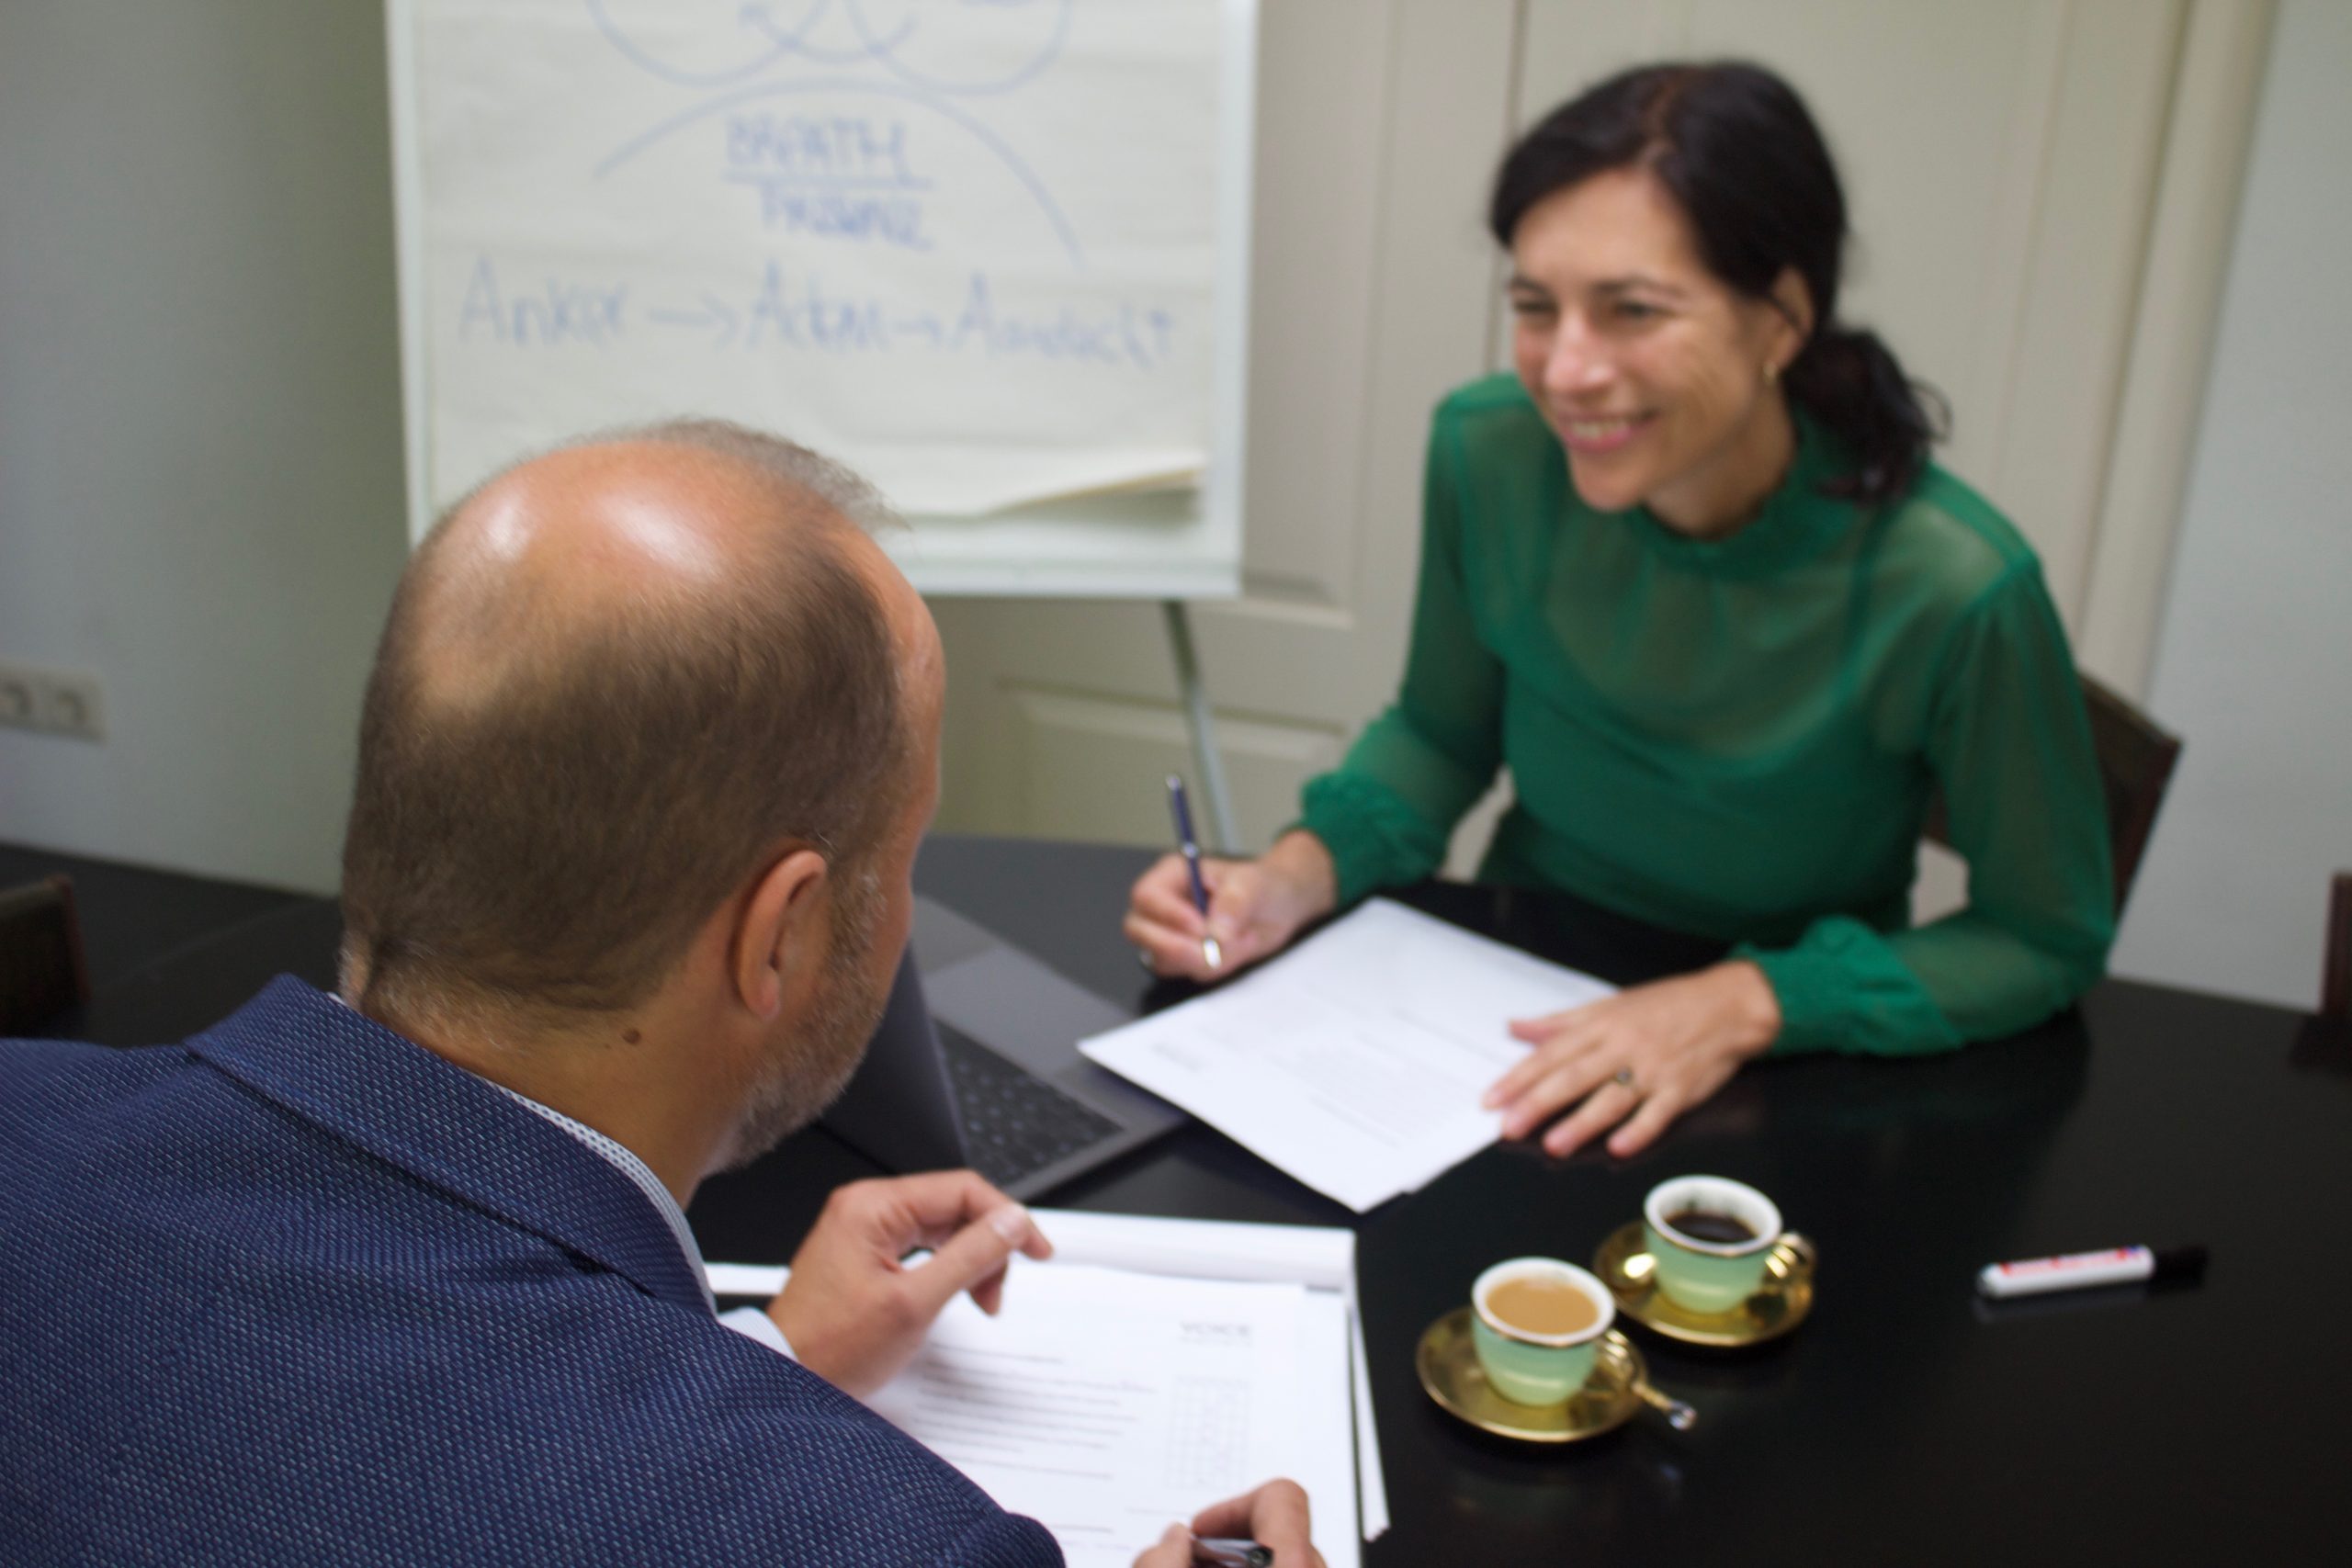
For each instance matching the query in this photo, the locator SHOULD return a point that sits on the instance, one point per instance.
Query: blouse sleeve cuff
(1376, 841)
(1796, 982)
(1843, 988)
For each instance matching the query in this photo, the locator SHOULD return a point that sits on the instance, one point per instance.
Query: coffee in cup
(1535, 1325)
(1541, 1303)
(1710, 1239)
(1700, 1225)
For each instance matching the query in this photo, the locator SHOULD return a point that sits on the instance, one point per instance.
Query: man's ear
(784, 921)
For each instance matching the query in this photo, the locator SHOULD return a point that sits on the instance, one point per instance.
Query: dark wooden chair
(42, 971)
(2136, 757)
(2336, 968)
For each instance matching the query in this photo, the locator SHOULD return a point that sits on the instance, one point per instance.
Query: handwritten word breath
(834, 176)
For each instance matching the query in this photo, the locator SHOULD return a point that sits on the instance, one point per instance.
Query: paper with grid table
(1154, 1367)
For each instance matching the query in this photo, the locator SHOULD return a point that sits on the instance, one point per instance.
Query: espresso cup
(1701, 1272)
(1526, 1364)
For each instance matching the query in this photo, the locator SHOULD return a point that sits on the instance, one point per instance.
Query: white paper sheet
(1371, 1481)
(1331, 1446)
(746, 1279)
(1107, 1406)
(1320, 1256)
(1355, 1061)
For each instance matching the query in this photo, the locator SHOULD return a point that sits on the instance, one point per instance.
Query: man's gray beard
(814, 1069)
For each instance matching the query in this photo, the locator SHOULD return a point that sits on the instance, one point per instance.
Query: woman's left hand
(1639, 1058)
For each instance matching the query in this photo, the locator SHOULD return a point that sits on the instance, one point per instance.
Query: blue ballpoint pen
(1190, 849)
(1211, 1551)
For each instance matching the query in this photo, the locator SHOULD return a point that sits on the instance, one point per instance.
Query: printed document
(1355, 1061)
(1152, 1368)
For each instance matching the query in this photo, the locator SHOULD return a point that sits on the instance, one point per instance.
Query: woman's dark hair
(1734, 146)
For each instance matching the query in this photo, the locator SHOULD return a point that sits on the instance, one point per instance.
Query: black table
(1906, 1421)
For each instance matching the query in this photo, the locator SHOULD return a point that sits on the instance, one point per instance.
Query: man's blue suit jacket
(301, 1291)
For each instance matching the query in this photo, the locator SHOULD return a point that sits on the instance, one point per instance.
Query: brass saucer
(1619, 1386)
(1781, 1304)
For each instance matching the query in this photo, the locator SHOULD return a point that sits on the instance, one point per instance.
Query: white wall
(2254, 661)
(199, 419)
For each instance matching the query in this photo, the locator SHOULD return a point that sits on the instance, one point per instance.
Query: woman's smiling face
(1659, 378)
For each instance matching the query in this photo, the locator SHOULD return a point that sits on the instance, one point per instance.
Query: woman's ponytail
(1851, 384)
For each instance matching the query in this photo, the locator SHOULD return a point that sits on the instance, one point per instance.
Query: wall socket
(56, 702)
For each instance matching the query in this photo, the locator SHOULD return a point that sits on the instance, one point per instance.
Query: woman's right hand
(1255, 907)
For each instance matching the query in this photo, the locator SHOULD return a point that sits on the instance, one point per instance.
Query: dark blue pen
(1190, 849)
(1210, 1551)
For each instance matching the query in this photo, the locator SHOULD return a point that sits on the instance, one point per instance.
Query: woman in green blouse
(1691, 577)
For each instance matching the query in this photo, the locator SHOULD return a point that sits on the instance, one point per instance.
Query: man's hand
(1274, 1516)
(854, 1313)
(1641, 1057)
(1255, 907)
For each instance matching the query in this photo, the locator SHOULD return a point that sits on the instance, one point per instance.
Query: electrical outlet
(60, 701)
(71, 702)
(18, 706)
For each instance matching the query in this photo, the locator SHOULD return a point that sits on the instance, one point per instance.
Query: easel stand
(1197, 718)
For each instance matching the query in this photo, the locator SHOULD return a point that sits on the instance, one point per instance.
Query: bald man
(402, 1275)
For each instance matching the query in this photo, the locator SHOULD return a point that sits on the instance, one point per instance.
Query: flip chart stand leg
(1205, 760)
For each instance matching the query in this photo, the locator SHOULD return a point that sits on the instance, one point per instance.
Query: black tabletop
(1905, 1421)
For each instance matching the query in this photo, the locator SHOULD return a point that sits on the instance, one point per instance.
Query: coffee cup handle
(1800, 1244)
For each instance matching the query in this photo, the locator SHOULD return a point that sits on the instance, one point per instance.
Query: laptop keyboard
(1015, 1122)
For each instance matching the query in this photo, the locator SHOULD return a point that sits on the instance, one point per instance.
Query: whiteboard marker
(2080, 1270)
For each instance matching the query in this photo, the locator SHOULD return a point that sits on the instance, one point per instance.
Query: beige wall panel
(1095, 768)
(1316, 266)
(1566, 44)
(2207, 137)
(2097, 202)
(1933, 112)
(1446, 88)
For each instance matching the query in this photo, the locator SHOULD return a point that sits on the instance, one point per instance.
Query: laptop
(976, 1062)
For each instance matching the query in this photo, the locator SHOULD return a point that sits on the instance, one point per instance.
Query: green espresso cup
(1710, 1238)
(1525, 1360)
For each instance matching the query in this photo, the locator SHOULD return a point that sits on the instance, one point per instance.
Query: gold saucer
(1781, 1304)
(1619, 1386)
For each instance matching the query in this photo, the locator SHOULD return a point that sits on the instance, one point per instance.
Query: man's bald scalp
(581, 735)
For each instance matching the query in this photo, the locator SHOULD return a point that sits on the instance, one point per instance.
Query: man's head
(624, 689)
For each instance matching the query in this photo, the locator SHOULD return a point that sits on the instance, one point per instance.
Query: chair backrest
(42, 971)
(2136, 757)
(2336, 968)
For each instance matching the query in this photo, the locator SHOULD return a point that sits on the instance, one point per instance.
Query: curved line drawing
(782, 42)
(885, 54)
(987, 138)
(796, 40)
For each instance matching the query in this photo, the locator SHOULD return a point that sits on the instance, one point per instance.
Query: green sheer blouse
(1740, 738)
